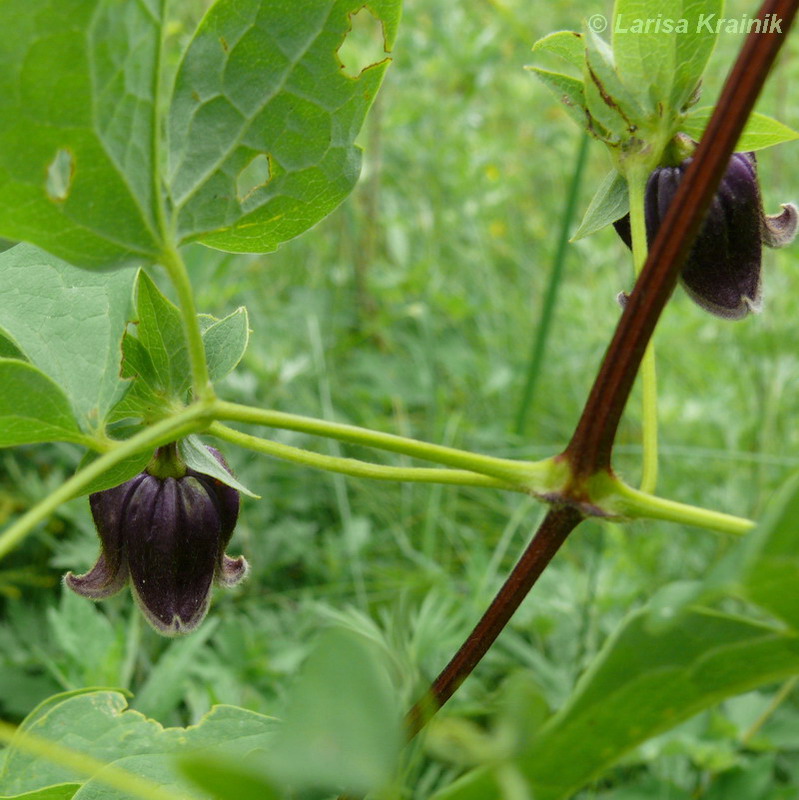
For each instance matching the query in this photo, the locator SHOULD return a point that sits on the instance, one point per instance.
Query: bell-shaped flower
(722, 271)
(167, 535)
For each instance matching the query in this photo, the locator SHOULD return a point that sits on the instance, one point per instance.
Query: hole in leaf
(254, 176)
(364, 45)
(59, 176)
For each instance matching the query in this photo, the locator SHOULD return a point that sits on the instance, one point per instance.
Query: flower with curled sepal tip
(167, 533)
(722, 271)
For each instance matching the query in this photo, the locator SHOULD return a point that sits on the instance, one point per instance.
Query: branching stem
(533, 474)
(355, 467)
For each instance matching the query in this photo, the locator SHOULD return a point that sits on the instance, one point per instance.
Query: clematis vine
(722, 272)
(165, 531)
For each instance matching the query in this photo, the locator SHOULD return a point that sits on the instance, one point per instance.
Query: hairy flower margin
(167, 537)
(722, 272)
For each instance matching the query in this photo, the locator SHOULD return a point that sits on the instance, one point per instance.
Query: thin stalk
(779, 698)
(535, 475)
(202, 387)
(649, 414)
(556, 526)
(127, 783)
(191, 420)
(539, 344)
(633, 503)
(355, 467)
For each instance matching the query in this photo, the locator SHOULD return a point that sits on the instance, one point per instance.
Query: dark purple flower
(722, 272)
(168, 536)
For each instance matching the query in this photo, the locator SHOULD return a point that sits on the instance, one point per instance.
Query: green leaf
(760, 131)
(477, 784)
(229, 779)
(157, 768)
(83, 632)
(611, 202)
(97, 723)
(608, 100)
(568, 45)
(226, 342)
(163, 689)
(69, 323)
(663, 62)
(119, 473)
(770, 558)
(77, 126)
(343, 726)
(568, 90)
(32, 407)
(62, 791)
(155, 358)
(644, 682)
(261, 84)
(160, 334)
(197, 456)
(8, 349)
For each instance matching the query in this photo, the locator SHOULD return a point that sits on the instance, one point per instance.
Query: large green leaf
(769, 573)
(32, 407)
(343, 725)
(77, 127)
(645, 682)
(260, 130)
(98, 724)
(261, 84)
(69, 323)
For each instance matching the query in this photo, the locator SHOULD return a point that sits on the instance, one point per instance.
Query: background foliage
(410, 309)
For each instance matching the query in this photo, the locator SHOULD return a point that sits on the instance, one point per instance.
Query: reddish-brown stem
(551, 534)
(589, 450)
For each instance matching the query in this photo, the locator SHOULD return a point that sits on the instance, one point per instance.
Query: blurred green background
(412, 309)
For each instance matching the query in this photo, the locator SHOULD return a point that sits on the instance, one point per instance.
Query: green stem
(201, 381)
(534, 475)
(633, 503)
(538, 348)
(354, 467)
(127, 783)
(779, 698)
(637, 186)
(193, 419)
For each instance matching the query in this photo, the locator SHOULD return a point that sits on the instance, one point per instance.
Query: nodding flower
(166, 534)
(722, 271)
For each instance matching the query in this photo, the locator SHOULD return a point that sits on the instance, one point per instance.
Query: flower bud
(722, 271)
(168, 535)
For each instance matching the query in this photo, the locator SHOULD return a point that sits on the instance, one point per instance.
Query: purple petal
(225, 497)
(232, 571)
(722, 273)
(101, 581)
(108, 509)
(780, 229)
